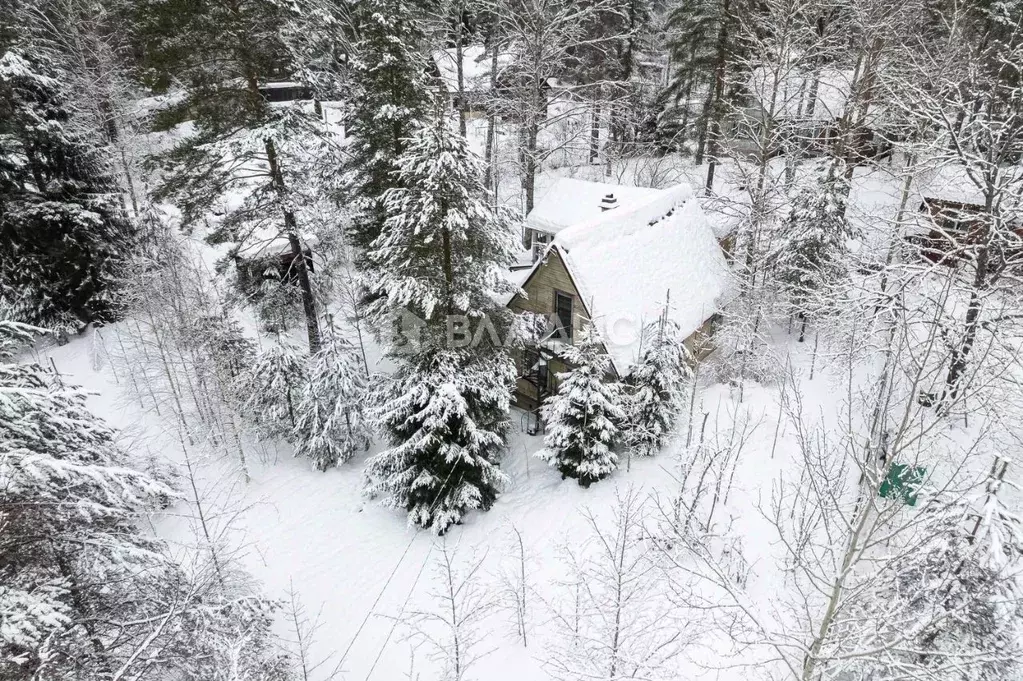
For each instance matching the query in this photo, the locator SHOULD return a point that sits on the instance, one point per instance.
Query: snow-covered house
(270, 256)
(620, 269)
(809, 105)
(950, 214)
(476, 63)
(570, 202)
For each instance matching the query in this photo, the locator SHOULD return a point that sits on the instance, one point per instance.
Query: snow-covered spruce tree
(655, 389)
(390, 99)
(817, 241)
(270, 156)
(444, 243)
(957, 596)
(85, 593)
(440, 258)
(64, 234)
(331, 422)
(79, 581)
(272, 387)
(583, 418)
(276, 302)
(445, 414)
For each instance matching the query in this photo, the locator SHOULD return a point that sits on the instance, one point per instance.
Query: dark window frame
(565, 331)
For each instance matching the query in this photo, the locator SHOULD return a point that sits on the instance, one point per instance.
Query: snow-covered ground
(359, 566)
(363, 574)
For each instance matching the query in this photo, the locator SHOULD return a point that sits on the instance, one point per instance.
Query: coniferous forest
(493, 340)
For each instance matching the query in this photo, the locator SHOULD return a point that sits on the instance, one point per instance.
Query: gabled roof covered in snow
(570, 201)
(627, 261)
(953, 182)
(475, 67)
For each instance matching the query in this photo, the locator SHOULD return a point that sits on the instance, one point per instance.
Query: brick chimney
(609, 202)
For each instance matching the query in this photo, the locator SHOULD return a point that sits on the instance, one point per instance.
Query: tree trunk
(488, 153)
(595, 132)
(703, 125)
(449, 274)
(718, 93)
(85, 616)
(298, 255)
(529, 174)
(459, 70)
(961, 354)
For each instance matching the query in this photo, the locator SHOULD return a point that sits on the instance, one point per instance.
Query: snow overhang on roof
(570, 201)
(630, 263)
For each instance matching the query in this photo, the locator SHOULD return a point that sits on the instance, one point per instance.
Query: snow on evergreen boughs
(446, 417)
(390, 99)
(583, 417)
(444, 244)
(273, 386)
(331, 424)
(212, 171)
(64, 233)
(72, 559)
(957, 595)
(220, 341)
(656, 389)
(817, 239)
(445, 410)
(237, 639)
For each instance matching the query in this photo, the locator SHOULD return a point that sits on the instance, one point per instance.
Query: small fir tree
(584, 416)
(817, 240)
(64, 234)
(273, 387)
(331, 424)
(656, 388)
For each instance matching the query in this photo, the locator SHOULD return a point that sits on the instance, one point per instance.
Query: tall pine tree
(64, 233)
(390, 99)
(224, 53)
(440, 258)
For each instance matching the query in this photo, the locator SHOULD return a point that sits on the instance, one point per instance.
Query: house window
(713, 323)
(563, 309)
